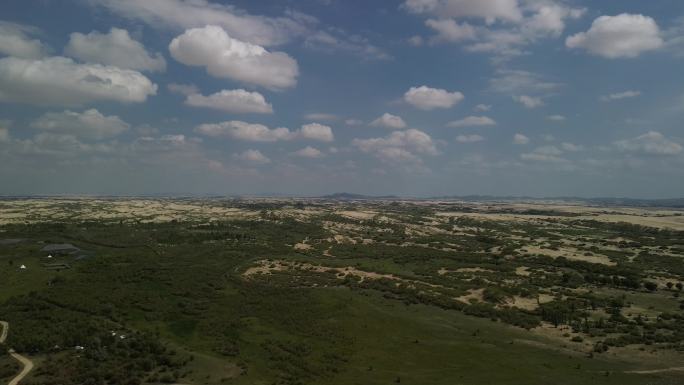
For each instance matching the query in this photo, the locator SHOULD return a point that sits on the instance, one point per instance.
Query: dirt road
(654, 371)
(28, 364)
(5, 329)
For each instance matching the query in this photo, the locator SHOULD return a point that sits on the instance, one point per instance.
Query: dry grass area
(113, 210)
(529, 303)
(358, 215)
(569, 253)
(268, 267)
(444, 271)
(662, 218)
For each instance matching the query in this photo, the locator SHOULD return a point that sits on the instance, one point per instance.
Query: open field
(315, 291)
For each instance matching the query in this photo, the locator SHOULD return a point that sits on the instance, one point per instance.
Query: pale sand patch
(529, 303)
(360, 215)
(344, 239)
(302, 246)
(523, 271)
(474, 295)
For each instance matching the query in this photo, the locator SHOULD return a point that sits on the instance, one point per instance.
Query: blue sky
(410, 97)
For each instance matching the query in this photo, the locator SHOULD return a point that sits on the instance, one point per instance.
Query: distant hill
(344, 196)
(600, 201)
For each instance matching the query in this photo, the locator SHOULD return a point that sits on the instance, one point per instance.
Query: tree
(650, 286)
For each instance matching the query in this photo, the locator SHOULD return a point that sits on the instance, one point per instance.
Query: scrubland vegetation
(328, 292)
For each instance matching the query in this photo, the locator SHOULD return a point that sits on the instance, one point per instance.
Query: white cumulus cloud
(115, 48)
(308, 152)
(15, 41)
(489, 10)
(244, 131)
(237, 101)
(399, 146)
(427, 98)
(571, 147)
(544, 154)
(388, 120)
(61, 81)
(90, 124)
(253, 132)
(252, 156)
(472, 121)
(473, 138)
(529, 101)
(316, 131)
(620, 95)
(450, 31)
(650, 143)
(4, 134)
(622, 36)
(520, 139)
(184, 14)
(324, 116)
(226, 57)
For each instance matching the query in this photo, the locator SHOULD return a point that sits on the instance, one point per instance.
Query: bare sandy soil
(474, 295)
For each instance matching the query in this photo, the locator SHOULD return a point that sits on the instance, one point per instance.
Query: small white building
(22, 267)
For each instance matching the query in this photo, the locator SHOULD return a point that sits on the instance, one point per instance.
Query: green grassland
(178, 294)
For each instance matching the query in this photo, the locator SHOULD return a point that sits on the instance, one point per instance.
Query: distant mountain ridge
(351, 196)
(599, 201)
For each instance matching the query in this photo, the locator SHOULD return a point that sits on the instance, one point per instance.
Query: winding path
(655, 371)
(5, 329)
(28, 364)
